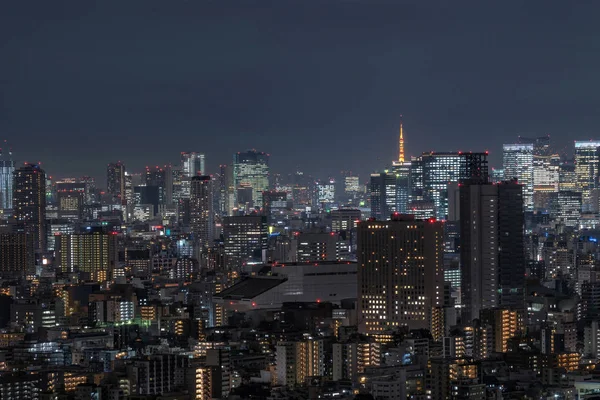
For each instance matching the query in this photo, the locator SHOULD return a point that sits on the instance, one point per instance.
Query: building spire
(401, 144)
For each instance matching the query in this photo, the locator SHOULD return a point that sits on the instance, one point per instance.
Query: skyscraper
(400, 273)
(384, 195)
(192, 164)
(251, 170)
(431, 173)
(7, 168)
(162, 178)
(115, 181)
(587, 166)
(517, 161)
(201, 210)
(492, 253)
(545, 169)
(245, 238)
(226, 190)
(29, 202)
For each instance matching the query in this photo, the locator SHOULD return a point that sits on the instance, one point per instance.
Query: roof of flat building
(250, 288)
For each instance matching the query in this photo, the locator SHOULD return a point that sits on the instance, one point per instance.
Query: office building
(29, 202)
(17, 254)
(7, 168)
(351, 185)
(316, 246)
(326, 194)
(432, 172)
(587, 166)
(402, 170)
(94, 252)
(201, 210)
(192, 164)
(569, 206)
(115, 181)
(567, 177)
(70, 203)
(275, 205)
(492, 251)
(400, 273)
(161, 178)
(245, 239)
(251, 170)
(384, 195)
(226, 190)
(517, 160)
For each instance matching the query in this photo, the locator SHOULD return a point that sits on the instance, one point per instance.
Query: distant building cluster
(437, 278)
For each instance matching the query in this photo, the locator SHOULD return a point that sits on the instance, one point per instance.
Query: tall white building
(192, 164)
(517, 160)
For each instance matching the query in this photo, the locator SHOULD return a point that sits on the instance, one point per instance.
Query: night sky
(318, 84)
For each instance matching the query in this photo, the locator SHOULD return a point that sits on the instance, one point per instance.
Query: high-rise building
(7, 168)
(274, 206)
(384, 195)
(245, 239)
(94, 252)
(517, 160)
(161, 178)
(400, 273)
(17, 255)
(492, 251)
(569, 208)
(402, 170)
(226, 190)
(201, 210)
(351, 185)
(192, 164)
(325, 193)
(115, 181)
(251, 170)
(587, 167)
(431, 173)
(29, 202)
(567, 177)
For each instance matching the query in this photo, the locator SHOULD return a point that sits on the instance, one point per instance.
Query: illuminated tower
(401, 145)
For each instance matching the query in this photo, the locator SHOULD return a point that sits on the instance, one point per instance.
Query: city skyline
(126, 94)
